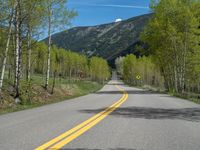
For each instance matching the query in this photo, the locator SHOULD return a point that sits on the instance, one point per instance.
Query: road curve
(120, 118)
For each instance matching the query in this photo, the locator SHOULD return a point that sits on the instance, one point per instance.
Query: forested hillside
(108, 40)
(32, 72)
(173, 39)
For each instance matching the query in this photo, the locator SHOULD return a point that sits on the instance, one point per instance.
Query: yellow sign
(138, 77)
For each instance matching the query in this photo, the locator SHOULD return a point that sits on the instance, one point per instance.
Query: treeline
(173, 40)
(139, 71)
(22, 23)
(69, 65)
(99, 69)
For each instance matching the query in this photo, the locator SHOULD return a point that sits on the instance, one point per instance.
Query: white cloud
(118, 20)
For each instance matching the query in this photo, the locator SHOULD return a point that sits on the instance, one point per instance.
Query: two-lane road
(117, 117)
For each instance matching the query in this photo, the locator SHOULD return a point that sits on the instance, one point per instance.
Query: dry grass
(34, 95)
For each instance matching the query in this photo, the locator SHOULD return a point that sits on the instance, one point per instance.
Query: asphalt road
(140, 120)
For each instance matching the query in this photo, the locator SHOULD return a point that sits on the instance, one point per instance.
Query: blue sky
(94, 12)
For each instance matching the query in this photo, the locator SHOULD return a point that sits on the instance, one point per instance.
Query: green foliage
(23, 56)
(59, 13)
(119, 65)
(139, 71)
(173, 38)
(99, 69)
(69, 64)
(38, 58)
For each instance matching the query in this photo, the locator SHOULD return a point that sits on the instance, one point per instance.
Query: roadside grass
(34, 95)
(188, 96)
(194, 97)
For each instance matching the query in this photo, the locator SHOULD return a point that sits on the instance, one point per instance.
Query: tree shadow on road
(188, 114)
(116, 84)
(128, 91)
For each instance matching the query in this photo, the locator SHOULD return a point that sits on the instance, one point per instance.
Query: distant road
(117, 117)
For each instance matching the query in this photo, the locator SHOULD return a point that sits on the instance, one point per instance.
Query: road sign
(138, 77)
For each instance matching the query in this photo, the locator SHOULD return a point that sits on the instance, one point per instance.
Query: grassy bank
(194, 97)
(34, 95)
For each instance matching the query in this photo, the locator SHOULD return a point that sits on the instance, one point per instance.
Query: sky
(95, 12)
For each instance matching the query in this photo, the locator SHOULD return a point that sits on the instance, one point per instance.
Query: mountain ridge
(108, 40)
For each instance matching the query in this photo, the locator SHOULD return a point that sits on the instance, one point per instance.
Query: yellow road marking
(84, 129)
(73, 133)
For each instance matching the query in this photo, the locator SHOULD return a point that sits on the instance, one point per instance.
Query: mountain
(108, 40)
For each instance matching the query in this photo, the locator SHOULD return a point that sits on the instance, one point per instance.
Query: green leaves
(172, 35)
(59, 13)
(139, 71)
(99, 69)
(70, 64)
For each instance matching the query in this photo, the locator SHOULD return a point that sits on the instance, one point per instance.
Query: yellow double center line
(63, 139)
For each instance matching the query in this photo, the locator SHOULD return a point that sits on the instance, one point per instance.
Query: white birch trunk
(18, 51)
(49, 49)
(16, 47)
(28, 71)
(7, 46)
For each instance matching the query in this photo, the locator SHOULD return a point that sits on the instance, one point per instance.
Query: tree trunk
(176, 66)
(13, 62)
(184, 61)
(54, 81)
(70, 75)
(18, 50)
(49, 49)
(175, 79)
(28, 63)
(7, 46)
